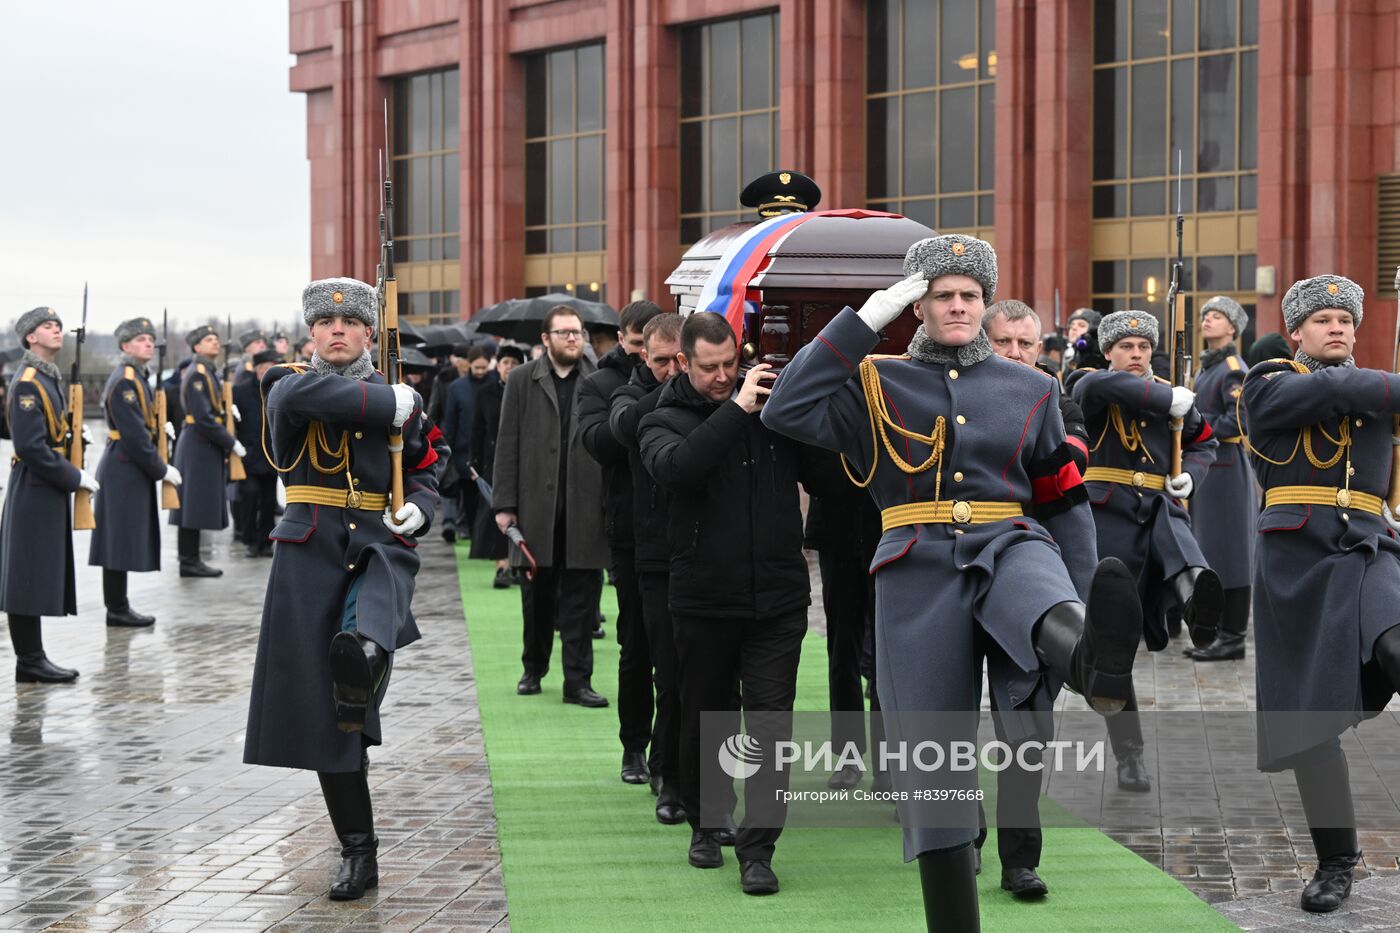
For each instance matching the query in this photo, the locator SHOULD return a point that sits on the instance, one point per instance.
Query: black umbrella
(523, 318)
(447, 336)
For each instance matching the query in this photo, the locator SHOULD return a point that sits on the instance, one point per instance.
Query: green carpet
(582, 851)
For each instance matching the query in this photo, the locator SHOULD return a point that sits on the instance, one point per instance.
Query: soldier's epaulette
(294, 367)
(1270, 368)
(129, 372)
(877, 357)
(199, 368)
(1234, 363)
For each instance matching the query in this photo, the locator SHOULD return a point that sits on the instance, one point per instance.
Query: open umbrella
(522, 318)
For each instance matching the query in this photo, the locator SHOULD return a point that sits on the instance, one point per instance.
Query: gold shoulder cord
(1128, 434)
(148, 414)
(1342, 440)
(51, 420)
(315, 441)
(880, 421)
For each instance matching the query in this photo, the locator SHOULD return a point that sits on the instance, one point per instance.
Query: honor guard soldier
(339, 596)
(253, 342)
(201, 453)
(127, 537)
(36, 528)
(1226, 505)
(257, 493)
(780, 193)
(965, 454)
(1138, 514)
(1327, 564)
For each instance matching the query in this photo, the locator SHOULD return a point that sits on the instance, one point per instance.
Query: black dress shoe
(727, 834)
(845, 777)
(599, 633)
(198, 568)
(634, 768)
(1023, 883)
(529, 685)
(449, 535)
(38, 669)
(1330, 884)
(757, 878)
(358, 873)
(1225, 648)
(128, 619)
(502, 581)
(704, 850)
(358, 667)
(669, 811)
(584, 696)
(1132, 772)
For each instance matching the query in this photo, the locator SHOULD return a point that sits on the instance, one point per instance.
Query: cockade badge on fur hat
(1114, 327)
(347, 297)
(30, 320)
(1229, 307)
(955, 254)
(128, 330)
(1307, 296)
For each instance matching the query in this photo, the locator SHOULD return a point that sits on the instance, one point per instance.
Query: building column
(838, 103)
(470, 192)
(619, 145)
(796, 21)
(653, 224)
(502, 101)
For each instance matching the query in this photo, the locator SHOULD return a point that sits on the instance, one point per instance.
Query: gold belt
(1229, 440)
(189, 419)
(1323, 495)
(114, 435)
(338, 498)
(948, 511)
(1135, 478)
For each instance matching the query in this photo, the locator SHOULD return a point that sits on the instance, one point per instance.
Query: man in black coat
(257, 498)
(634, 697)
(739, 587)
(457, 427)
(487, 540)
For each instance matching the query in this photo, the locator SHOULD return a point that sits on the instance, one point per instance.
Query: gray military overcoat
(128, 531)
(202, 450)
(1224, 508)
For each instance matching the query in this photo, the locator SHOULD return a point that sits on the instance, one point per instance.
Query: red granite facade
(1328, 118)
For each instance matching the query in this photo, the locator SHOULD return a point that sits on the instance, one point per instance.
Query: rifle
(1058, 328)
(1180, 323)
(236, 473)
(388, 288)
(169, 495)
(83, 518)
(1393, 495)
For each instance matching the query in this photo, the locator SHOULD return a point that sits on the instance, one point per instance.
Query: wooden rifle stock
(236, 473)
(169, 495)
(83, 518)
(1178, 424)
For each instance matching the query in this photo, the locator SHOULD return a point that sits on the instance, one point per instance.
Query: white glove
(170, 430)
(1182, 400)
(87, 436)
(405, 399)
(884, 306)
(172, 476)
(239, 450)
(237, 415)
(410, 519)
(1181, 486)
(87, 481)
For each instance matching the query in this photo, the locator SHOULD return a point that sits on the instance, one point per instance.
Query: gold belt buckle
(1139, 478)
(1344, 498)
(962, 512)
(352, 499)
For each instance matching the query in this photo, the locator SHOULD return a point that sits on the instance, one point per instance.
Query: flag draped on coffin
(726, 291)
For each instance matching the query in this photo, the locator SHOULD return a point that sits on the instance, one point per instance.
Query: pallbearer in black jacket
(1225, 507)
(127, 537)
(341, 587)
(36, 528)
(1327, 568)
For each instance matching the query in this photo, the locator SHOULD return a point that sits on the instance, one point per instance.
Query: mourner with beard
(36, 527)
(973, 477)
(1225, 508)
(340, 592)
(127, 537)
(1327, 564)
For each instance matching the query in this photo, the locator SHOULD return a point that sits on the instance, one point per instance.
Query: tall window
(931, 81)
(426, 229)
(1174, 77)
(564, 172)
(729, 118)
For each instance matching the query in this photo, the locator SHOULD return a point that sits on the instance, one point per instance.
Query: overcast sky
(151, 148)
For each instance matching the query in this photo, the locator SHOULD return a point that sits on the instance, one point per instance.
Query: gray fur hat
(1322, 291)
(29, 320)
(135, 327)
(1229, 307)
(199, 333)
(348, 297)
(251, 336)
(1087, 315)
(955, 254)
(1114, 327)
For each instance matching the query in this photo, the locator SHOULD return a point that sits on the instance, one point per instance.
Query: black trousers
(634, 703)
(1125, 729)
(655, 590)
(1019, 836)
(187, 545)
(763, 654)
(257, 501)
(848, 598)
(573, 596)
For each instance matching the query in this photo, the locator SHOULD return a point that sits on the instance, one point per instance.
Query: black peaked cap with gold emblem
(783, 192)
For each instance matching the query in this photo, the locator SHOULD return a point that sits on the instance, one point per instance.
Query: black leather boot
(119, 611)
(1132, 770)
(1337, 855)
(1198, 591)
(1092, 647)
(949, 885)
(358, 666)
(1234, 622)
(352, 815)
(32, 665)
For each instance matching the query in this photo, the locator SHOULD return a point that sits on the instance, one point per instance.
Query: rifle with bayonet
(236, 472)
(169, 495)
(1179, 323)
(83, 518)
(388, 288)
(1393, 494)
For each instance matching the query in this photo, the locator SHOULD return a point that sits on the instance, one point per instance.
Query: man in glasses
(546, 482)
